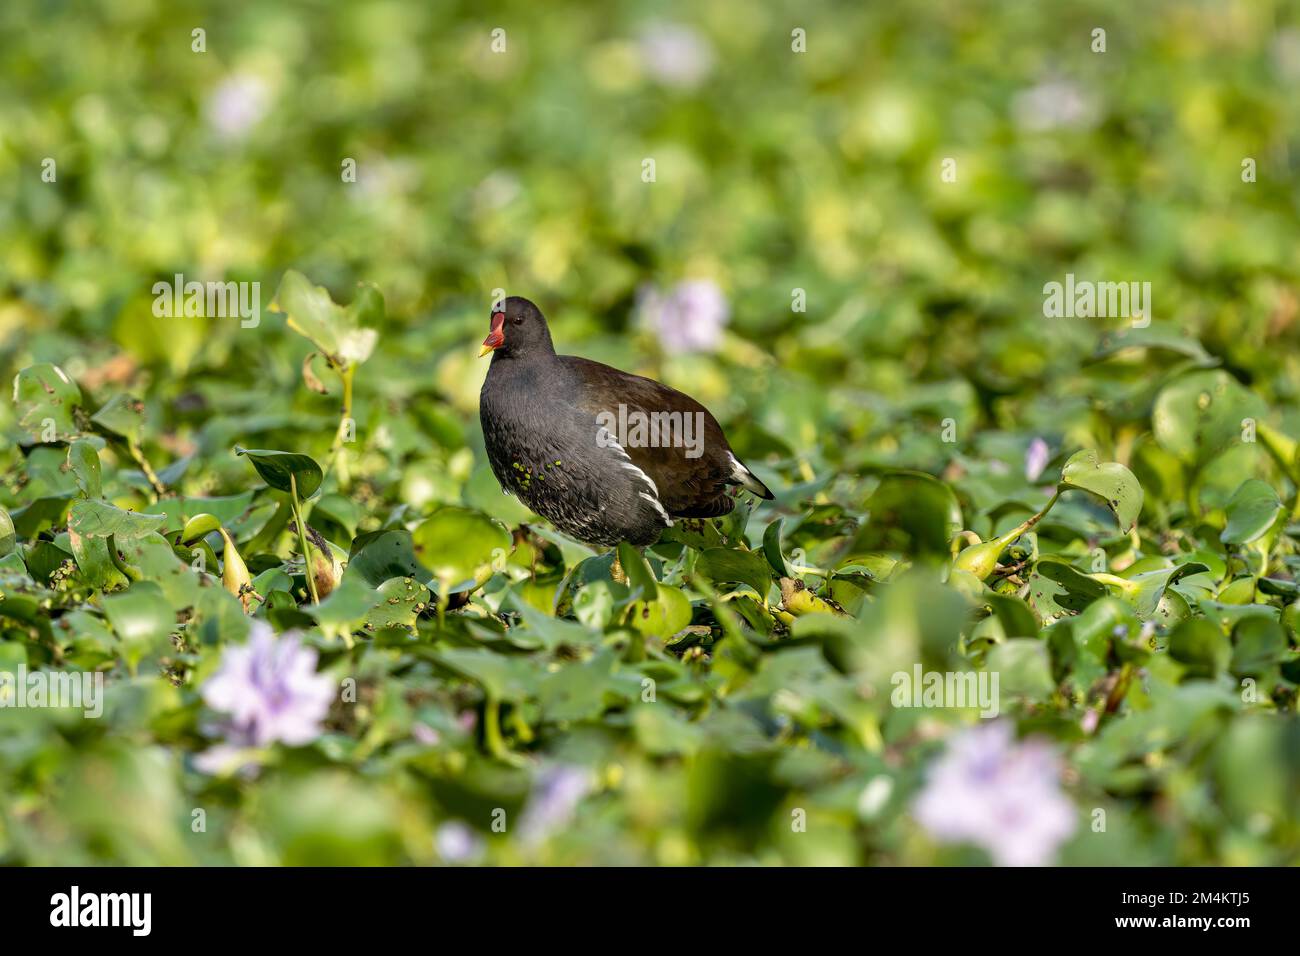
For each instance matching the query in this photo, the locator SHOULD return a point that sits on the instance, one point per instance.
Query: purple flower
(1055, 104)
(456, 842)
(1036, 459)
(675, 54)
(551, 805)
(236, 106)
(267, 691)
(999, 794)
(689, 318)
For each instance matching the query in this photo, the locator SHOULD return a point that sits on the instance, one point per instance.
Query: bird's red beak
(497, 337)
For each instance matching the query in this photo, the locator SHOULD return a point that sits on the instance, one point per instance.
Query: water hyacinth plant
(266, 691)
(261, 510)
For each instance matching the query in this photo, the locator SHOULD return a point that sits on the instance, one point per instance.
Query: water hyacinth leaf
(772, 549)
(1228, 616)
(1023, 668)
(1251, 512)
(1148, 591)
(1197, 415)
(1259, 645)
(46, 400)
(578, 692)
(83, 460)
(1078, 589)
(44, 558)
(282, 469)
(143, 621)
(334, 330)
(99, 519)
(911, 512)
(200, 526)
(1014, 614)
(400, 601)
(8, 536)
(662, 616)
(637, 569)
(226, 509)
(310, 311)
(41, 515)
(724, 565)
(551, 632)
(460, 544)
(380, 555)
(154, 559)
(1200, 645)
(501, 677)
(122, 416)
(1110, 481)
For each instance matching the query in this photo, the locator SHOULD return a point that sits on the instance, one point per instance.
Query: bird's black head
(518, 329)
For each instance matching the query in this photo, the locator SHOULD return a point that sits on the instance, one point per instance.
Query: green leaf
(277, 468)
(1251, 511)
(637, 569)
(551, 632)
(83, 459)
(1201, 646)
(335, 331)
(46, 398)
(1150, 596)
(910, 512)
(123, 416)
(8, 536)
(1023, 668)
(99, 519)
(1259, 646)
(503, 678)
(1198, 415)
(662, 616)
(400, 601)
(1110, 481)
(772, 549)
(460, 545)
(143, 621)
(380, 555)
(200, 526)
(724, 565)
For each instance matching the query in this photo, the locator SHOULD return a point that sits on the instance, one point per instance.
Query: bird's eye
(518, 320)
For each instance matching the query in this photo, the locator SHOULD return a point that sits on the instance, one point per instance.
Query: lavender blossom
(689, 318)
(675, 54)
(1055, 104)
(551, 806)
(999, 794)
(456, 842)
(1036, 459)
(267, 691)
(236, 106)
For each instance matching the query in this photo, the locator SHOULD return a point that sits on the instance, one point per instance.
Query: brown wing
(667, 434)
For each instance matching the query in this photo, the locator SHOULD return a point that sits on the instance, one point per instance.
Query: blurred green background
(775, 172)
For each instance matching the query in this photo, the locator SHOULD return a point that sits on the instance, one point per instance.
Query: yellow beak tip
(486, 349)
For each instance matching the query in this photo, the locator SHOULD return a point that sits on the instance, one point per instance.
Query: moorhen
(603, 455)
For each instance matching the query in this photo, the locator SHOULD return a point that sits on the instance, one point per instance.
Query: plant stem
(337, 453)
(1034, 519)
(158, 489)
(1194, 497)
(302, 538)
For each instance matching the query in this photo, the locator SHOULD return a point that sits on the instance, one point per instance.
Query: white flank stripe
(605, 437)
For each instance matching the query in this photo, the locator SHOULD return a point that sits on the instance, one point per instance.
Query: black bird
(603, 455)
